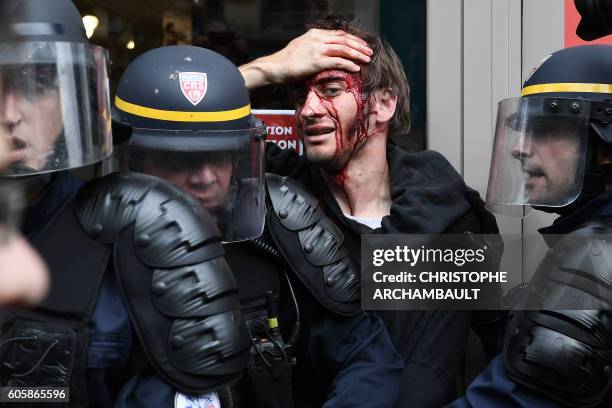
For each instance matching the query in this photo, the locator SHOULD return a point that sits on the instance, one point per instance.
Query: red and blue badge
(194, 86)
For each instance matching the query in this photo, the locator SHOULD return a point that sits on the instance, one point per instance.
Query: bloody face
(332, 119)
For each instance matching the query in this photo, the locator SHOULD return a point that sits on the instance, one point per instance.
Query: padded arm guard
(181, 295)
(554, 348)
(312, 245)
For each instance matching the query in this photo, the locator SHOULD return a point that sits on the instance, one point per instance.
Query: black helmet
(583, 72)
(541, 154)
(54, 99)
(190, 118)
(40, 20)
(180, 88)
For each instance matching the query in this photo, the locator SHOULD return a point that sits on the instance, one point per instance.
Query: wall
(478, 53)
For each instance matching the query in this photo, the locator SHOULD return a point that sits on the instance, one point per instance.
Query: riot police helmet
(54, 99)
(542, 155)
(189, 114)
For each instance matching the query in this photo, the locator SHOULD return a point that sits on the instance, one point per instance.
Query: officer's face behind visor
(539, 153)
(31, 112)
(204, 175)
(54, 105)
(222, 170)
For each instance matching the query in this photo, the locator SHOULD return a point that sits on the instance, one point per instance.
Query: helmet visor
(225, 175)
(54, 105)
(539, 153)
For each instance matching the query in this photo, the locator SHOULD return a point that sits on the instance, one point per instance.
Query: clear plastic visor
(223, 170)
(54, 105)
(539, 153)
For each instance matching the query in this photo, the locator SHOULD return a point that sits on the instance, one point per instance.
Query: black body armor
(561, 345)
(180, 293)
(312, 245)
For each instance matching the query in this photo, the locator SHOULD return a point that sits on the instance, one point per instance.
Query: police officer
(123, 251)
(553, 151)
(189, 114)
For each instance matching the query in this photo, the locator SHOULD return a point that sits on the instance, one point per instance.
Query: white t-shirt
(370, 222)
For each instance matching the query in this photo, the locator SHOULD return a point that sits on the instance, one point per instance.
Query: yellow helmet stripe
(566, 87)
(178, 116)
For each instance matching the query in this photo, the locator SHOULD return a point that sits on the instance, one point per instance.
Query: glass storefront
(243, 30)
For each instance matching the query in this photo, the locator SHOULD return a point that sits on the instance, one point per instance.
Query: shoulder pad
(562, 344)
(576, 272)
(312, 245)
(294, 206)
(564, 354)
(180, 292)
(171, 229)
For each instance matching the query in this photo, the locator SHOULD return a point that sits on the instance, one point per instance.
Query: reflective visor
(54, 105)
(222, 170)
(539, 153)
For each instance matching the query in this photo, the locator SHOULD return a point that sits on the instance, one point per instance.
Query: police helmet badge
(194, 86)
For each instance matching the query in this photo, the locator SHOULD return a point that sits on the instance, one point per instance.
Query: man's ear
(385, 102)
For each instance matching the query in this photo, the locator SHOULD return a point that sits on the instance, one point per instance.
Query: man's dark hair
(385, 70)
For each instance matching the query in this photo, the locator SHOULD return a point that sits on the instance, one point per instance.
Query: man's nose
(522, 148)
(10, 112)
(313, 106)
(203, 176)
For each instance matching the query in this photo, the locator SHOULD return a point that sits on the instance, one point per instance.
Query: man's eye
(331, 92)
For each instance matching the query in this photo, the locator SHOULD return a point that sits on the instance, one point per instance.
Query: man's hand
(23, 275)
(24, 279)
(313, 52)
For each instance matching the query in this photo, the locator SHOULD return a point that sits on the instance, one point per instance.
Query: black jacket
(429, 197)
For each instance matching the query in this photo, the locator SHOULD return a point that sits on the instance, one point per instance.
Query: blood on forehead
(348, 77)
(354, 85)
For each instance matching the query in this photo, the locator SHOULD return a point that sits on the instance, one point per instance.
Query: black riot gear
(546, 155)
(566, 100)
(554, 346)
(40, 20)
(313, 245)
(170, 267)
(182, 88)
(159, 242)
(190, 119)
(131, 249)
(583, 72)
(54, 94)
(188, 113)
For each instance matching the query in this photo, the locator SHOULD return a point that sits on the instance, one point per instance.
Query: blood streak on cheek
(355, 86)
(359, 129)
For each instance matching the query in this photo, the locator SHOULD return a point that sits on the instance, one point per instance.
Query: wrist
(260, 72)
